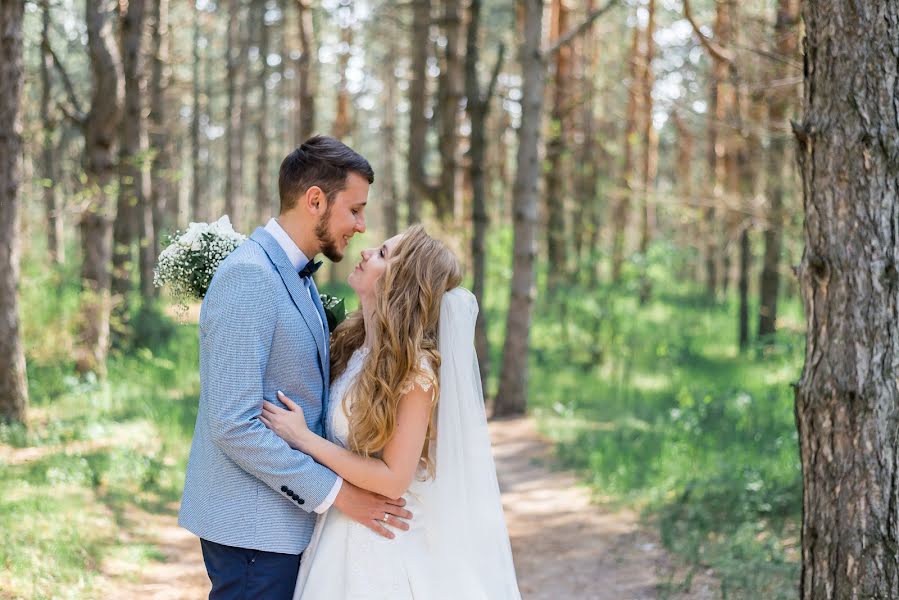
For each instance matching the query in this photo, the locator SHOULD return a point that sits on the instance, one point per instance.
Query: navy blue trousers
(242, 574)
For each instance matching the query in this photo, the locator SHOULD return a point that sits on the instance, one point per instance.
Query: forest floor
(565, 546)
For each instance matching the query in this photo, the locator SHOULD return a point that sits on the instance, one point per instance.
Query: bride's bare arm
(389, 475)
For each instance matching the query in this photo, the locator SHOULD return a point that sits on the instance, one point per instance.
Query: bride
(406, 418)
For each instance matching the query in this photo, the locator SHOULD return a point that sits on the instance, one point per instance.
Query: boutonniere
(335, 310)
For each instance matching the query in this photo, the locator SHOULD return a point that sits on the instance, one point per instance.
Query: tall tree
(233, 141)
(134, 216)
(555, 178)
(101, 132)
(451, 89)
(263, 196)
(343, 119)
(418, 120)
(847, 400)
(478, 106)
(306, 71)
(162, 199)
(649, 150)
(512, 395)
(511, 398)
(197, 171)
(387, 172)
(780, 101)
(13, 384)
(49, 162)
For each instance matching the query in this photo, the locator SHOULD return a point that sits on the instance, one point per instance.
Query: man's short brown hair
(319, 161)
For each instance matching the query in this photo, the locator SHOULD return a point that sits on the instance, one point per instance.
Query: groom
(250, 498)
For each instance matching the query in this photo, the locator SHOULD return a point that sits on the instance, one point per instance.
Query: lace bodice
(338, 424)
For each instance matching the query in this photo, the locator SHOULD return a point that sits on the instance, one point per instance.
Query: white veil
(464, 522)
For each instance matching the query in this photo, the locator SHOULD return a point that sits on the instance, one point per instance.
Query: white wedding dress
(347, 560)
(457, 546)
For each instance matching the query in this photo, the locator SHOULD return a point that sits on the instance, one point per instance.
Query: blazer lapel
(298, 293)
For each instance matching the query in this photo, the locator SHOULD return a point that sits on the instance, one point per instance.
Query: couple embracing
(352, 464)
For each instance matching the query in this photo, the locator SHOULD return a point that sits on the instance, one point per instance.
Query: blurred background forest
(618, 178)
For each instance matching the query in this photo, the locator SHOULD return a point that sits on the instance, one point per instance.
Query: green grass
(95, 456)
(655, 407)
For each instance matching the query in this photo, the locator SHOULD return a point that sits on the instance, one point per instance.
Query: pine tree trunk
(101, 129)
(556, 179)
(197, 171)
(449, 101)
(649, 157)
(387, 174)
(307, 71)
(342, 118)
(233, 164)
(778, 156)
(263, 195)
(49, 162)
(418, 122)
(162, 199)
(512, 396)
(621, 213)
(847, 400)
(13, 383)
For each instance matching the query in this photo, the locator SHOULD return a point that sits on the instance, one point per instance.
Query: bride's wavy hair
(405, 328)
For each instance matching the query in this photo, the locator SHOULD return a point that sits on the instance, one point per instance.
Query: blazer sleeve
(237, 326)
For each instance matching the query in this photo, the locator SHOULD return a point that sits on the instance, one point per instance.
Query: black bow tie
(310, 269)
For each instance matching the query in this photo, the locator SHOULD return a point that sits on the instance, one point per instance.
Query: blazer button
(301, 501)
(289, 492)
(284, 488)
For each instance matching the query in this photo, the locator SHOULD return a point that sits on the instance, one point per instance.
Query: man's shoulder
(247, 266)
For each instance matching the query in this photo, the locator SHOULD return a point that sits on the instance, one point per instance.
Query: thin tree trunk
(263, 195)
(621, 214)
(555, 177)
(450, 97)
(101, 128)
(13, 383)
(778, 156)
(233, 187)
(478, 105)
(197, 171)
(307, 71)
(649, 158)
(418, 98)
(847, 400)
(134, 217)
(513, 387)
(343, 122)
(390, 201)
(163, 199)
(50, 162)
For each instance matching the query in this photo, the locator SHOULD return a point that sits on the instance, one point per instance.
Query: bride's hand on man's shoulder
(289, 424)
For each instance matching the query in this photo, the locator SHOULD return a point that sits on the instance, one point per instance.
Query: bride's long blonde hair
(406, 312)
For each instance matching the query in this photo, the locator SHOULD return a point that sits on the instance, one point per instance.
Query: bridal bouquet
(191, 258)
(189, 261)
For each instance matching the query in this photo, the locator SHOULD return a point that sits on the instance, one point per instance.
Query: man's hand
(369, 509)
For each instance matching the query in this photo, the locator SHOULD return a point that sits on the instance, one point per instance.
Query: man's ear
(313, 199)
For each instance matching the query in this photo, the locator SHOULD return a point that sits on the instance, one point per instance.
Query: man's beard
(326, 241)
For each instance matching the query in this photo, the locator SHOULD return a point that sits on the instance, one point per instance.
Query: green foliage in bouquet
(335, 310)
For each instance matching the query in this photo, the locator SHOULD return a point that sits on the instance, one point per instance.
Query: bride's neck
(368, 313)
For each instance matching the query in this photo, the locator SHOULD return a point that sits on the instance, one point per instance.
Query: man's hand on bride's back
(370, 509)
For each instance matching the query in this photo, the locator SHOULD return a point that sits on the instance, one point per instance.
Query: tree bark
(13, 382)
(512, 396)
(49, 162)
(478, 106)
(847, 400)
(307, 71)
(387, 174)
(343, 121)
(134, 217)
(778, 156)
(263, 194)
(649, 157)
(450, 99)
(418, 98)
(197, 212)
(162, 198)
(621, 213)
(101, 129)
(233, 158)
(556, 180)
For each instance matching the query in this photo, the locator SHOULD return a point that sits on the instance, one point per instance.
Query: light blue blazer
(259, 333)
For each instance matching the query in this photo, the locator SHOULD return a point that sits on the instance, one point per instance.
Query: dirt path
(564, 546)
